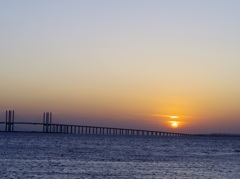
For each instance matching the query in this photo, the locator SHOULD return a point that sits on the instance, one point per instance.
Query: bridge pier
(9, 125)
(47, 122)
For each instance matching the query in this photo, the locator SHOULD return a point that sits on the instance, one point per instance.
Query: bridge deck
(80, 129)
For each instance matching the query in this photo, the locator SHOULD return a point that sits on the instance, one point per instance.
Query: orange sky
(123, 64)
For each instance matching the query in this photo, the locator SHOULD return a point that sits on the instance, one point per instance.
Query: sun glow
(174, 117)
(174, 124)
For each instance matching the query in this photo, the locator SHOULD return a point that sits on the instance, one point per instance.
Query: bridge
(49, 127)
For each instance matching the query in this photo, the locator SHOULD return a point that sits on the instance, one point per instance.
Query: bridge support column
(9, 125)
(47, 122)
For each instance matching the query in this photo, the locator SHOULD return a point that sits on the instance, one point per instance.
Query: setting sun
(174, 124)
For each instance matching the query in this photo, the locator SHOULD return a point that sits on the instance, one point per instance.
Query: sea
(41, 155)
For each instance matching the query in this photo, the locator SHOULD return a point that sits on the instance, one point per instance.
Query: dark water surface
(29, 155)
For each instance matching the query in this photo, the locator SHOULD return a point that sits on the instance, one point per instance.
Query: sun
(174, 124)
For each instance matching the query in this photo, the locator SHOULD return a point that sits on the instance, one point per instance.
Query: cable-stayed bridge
(49, 127)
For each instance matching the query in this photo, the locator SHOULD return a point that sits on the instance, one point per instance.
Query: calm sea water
(28, 155)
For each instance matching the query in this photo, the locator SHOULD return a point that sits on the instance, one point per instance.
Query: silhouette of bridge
(49, 127)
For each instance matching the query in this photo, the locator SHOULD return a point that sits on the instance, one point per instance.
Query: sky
(131, 64)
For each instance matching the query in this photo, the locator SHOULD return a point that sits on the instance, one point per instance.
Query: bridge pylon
(9, 125)
(47, 121)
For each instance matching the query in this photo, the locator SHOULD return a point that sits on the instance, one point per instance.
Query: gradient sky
(123, 63)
